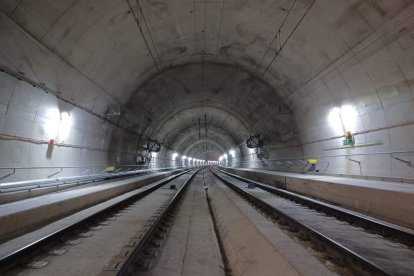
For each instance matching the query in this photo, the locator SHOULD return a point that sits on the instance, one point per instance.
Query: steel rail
(78, 180)
(386, 229)
(352, 257)
(139, 249)
(10, 260)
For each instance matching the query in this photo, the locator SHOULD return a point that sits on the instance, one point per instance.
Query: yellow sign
(110, 169)
(312, 161)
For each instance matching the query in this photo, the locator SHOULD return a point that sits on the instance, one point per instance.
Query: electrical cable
(288, 38)
(159, 68)
(220, 26)
(277, 35)
(285, 42)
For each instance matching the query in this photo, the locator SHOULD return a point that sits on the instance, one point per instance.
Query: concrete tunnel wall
(374, 84)
(358, 57)
(30, 118)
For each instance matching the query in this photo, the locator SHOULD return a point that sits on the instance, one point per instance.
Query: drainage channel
(226, 268)
(188, 243)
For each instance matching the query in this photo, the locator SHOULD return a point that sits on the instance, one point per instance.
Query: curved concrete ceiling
(227, 95)
(237, 62)
(206, 149)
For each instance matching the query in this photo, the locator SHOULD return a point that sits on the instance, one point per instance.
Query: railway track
(125, 235)
(31, 250)
(355, 242)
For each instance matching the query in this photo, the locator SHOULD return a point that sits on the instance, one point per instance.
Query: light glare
(343, 119)
(57, 124)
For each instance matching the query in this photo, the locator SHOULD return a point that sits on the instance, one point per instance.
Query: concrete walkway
(191, 247)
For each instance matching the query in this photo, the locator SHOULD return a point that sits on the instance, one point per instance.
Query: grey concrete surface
(392, 257)
(100, 245)
(304, 262)
(224, 59)
(248, 251)
(391, 201)
(191, 246)
(100, 78)
(19, 217)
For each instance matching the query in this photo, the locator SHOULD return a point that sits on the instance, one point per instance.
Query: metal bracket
(7, 175)
(408, 163)
(356, 161)
(112, 110)
(290, 164)
(327, 165)
(85, 171)
(305, 164)
(53, 174)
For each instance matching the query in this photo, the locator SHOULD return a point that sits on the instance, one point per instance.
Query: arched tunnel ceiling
(226, 100)
(214, 58)
(206, 149)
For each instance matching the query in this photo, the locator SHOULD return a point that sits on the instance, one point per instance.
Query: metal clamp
(408, 163)
(356, 161)
(7, 175)
(85, 171)
(49, 176)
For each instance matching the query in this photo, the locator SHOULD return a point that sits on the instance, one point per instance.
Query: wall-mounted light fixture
(58, 125)
(343, 121)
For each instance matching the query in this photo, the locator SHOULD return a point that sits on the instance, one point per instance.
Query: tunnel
(106, 99)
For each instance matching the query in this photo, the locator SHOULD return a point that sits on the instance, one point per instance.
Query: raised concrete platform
(15, 191)
(386, 200)
(22, 216)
